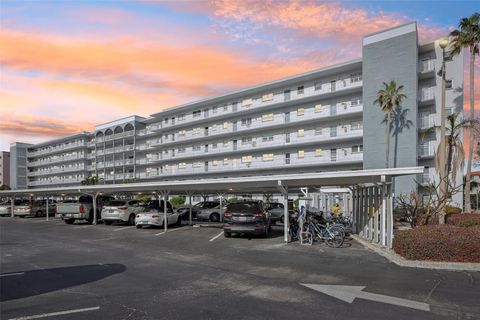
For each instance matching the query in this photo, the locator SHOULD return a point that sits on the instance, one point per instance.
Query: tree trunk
(468, 180)
(389, 125)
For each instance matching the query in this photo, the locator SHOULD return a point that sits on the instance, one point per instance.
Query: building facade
(323, 120)
(4, 168)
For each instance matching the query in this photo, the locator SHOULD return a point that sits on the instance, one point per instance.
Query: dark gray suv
(248, 217)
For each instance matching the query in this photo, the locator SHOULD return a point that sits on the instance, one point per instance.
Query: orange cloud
(308, 18)
(194, 69)
(25, 125)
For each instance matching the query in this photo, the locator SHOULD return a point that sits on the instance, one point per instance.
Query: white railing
(426, 94)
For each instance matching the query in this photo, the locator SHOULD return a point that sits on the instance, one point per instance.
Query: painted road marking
(11, 274)
(59, 313)
(170, 230)
(216, 237)
(349, 293)
(123, 228)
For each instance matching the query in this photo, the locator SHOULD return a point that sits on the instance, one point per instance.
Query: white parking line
(170, 230)
(11, 274)
(59, 313)
(216, 237)
(123, 228)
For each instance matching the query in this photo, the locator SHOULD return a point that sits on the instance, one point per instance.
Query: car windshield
(68, 201)
(116, 203)
(39, 203)
(21, 202)
(85, 199)
(198, 205)
(275, 205)
(244, 207)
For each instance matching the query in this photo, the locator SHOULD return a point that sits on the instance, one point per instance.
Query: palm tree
(389, 98)
(89, 181)
(468, 36)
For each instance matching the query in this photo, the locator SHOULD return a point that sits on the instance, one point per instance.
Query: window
(267, 97)
(197, 113)
(356, 125)
(197, 164)
(181, 117)
(356, 77)
(300, 133)
(318, 152)
(247, 102)
(225, 125)
(225, 143)
(215, 162)
(357, 149)
(356, 102)
(225, 108)
(225, 161)
(287, 158)
(246, 121)
(196, 130)
(182, 132)
(448, 84)
(301, 154)
(267, 117)
(166, 120)
(182, 165)
(318, 85)
(300, 90)
(214, 109)
(196, 147)
(318, 108)
(246, 140)
(300, 111)
(181, 149)
(318, 131)
(267, 157)
(214, 145)
(246, 159)
(267, 138)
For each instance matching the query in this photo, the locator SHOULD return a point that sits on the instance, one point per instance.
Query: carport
(372, 211)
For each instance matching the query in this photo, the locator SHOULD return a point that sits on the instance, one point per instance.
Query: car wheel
(107, 222)
(227, 234)
(69, 221)
(215, 217)
(138, 226)
(179, 221)
(39, 213)
(131, 219)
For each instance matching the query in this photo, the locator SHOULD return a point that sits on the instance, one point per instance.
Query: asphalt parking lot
(118, 272)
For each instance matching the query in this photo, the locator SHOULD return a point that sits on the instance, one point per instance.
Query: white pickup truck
(81, 209)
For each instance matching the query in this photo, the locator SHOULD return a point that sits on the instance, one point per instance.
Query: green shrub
(452, 210)
(177, 201)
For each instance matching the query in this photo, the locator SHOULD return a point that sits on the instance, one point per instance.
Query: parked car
(154, 215)
(206, 210)
(81, 209)
(36, 208)
(122, 211)
(276, 211)
(5, 208)
(249, 217)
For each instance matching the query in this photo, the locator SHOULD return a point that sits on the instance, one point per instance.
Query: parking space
(82, 271)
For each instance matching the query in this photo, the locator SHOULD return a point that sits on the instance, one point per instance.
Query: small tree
(90, 181)
(177, 201)
(4, 187)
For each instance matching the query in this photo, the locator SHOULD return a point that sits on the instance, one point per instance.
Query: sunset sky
(67, 65)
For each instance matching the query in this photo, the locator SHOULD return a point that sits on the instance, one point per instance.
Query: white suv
(121, 211)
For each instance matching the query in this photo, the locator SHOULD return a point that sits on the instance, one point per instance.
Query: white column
(12, 205)
(94, 208)
(190, 208)
(47, 208)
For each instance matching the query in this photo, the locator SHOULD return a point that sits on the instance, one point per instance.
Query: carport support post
(12, 204)
(190, 208)
(284, 191)
(94, 196)
(47, 208)
(165, 220)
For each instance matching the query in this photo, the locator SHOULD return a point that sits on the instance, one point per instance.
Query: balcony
(55, 160)
(327, 90)
(50, 150)
(426, 95)
(426, 122)
(426, 150)
(55, 182)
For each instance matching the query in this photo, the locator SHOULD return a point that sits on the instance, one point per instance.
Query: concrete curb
(402, 262)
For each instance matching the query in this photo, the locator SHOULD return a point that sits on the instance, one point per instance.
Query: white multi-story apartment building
(323, 120)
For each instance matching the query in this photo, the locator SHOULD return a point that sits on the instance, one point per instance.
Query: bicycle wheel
(334, 238)
(340, 228)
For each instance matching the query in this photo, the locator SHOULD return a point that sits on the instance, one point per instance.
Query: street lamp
(443, 43)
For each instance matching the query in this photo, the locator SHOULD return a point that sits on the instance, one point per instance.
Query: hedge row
(464, 220)
(439, 243)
